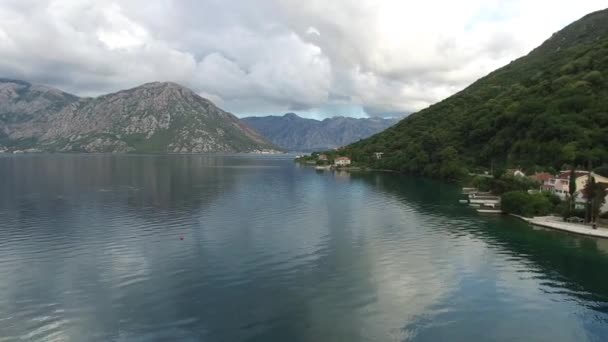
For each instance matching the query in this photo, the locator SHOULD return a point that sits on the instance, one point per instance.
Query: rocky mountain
(295, 133)
(548, 109)
(154, 117)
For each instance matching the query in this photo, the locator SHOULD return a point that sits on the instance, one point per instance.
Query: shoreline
(574, 228)
(362, 169)
(346, 168)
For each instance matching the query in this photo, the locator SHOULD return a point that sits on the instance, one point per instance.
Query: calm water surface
(242, 248)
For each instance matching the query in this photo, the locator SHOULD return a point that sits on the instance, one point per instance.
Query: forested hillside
(547, 109)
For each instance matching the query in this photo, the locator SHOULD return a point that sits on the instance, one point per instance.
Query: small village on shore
(573, 200)
(323, 162)
(334, 160)
(569, 200)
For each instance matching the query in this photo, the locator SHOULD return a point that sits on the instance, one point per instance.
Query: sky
(317, 58)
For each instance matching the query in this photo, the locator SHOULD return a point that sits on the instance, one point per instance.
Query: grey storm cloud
(376, 57)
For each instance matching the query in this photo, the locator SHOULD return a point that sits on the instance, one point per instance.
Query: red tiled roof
(543, 176)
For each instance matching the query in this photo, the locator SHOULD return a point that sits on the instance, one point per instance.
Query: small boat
(463, 201)
(485, 200)
(466, 191)
(489, 211)
(482, 195)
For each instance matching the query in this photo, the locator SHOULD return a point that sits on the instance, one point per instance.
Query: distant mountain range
(154, 117)
(295, 133)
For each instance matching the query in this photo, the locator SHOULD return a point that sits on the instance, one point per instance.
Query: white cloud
(313, 31)
(120, 32)
(270, 56)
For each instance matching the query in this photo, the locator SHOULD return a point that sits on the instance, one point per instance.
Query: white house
(342, 161)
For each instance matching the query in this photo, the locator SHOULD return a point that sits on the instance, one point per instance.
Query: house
(322, 157)
(378, 155)
(519, 173)
(515, 173)
(560, 184)
(541, 177)
(342, 161)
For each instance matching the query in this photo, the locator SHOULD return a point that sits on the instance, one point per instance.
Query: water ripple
(135, 248)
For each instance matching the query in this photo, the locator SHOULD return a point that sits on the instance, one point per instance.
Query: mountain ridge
(152, 117)
(295, 133)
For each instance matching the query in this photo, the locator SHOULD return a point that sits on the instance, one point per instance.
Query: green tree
(595, 77)
(525, 204)
(569, 153)
(595, 193)
(498, 172)
(571, 189)
(450, 167)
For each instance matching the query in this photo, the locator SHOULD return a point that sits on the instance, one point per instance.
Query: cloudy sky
(317, 57)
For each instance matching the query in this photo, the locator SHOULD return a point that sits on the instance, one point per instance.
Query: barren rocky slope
(154, 117)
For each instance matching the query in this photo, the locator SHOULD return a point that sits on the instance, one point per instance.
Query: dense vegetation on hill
(154, 117)
(295, 133)
(546, 109)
